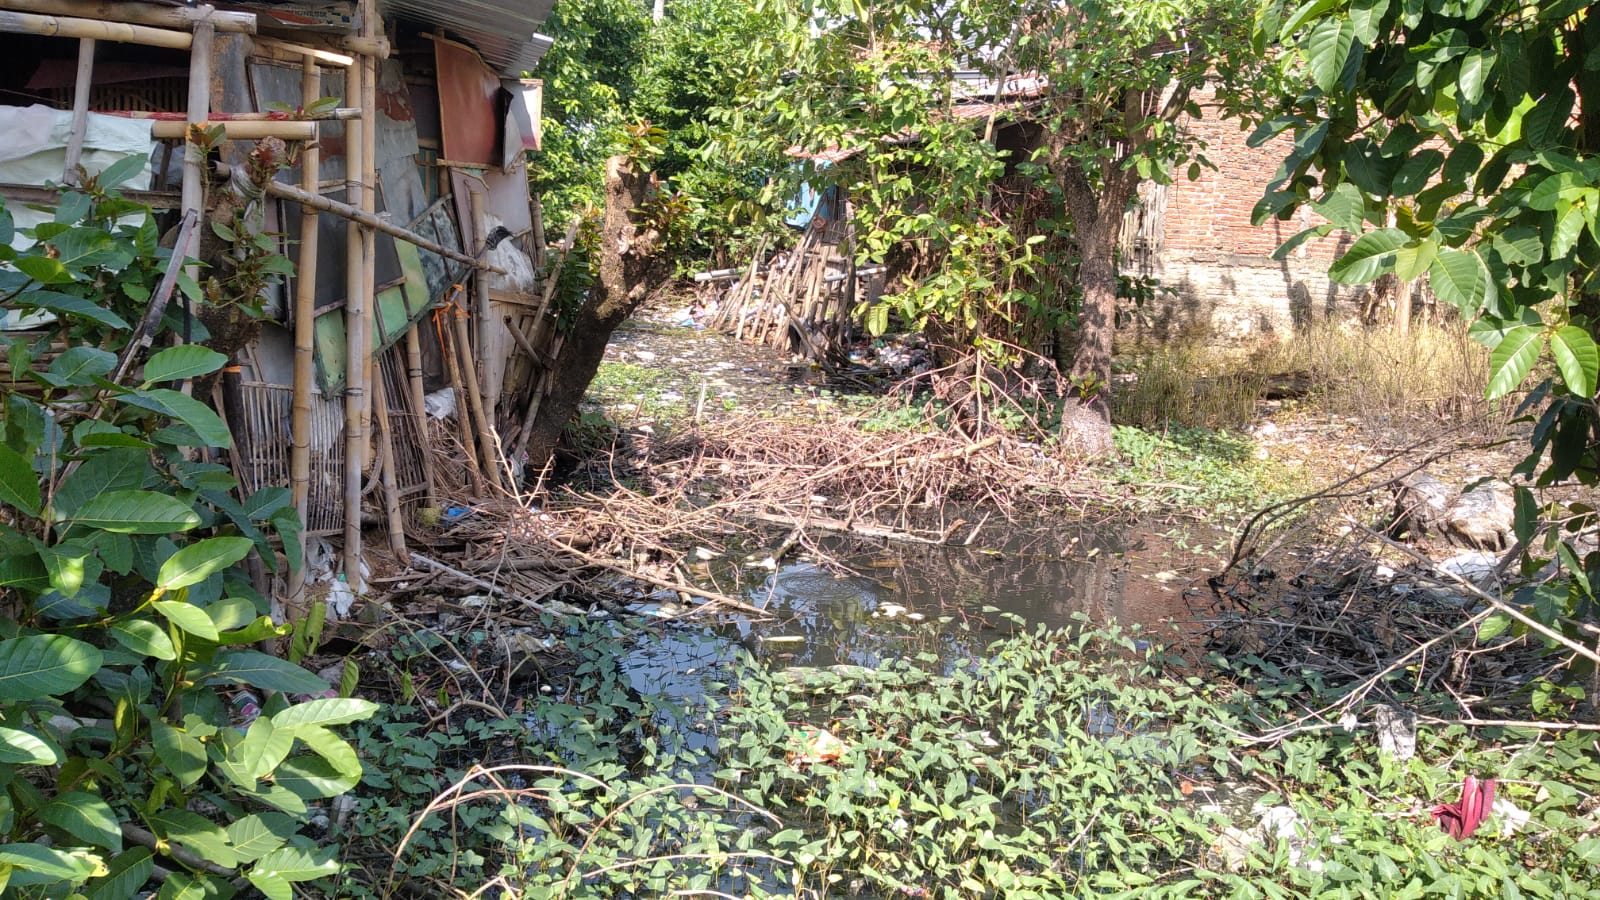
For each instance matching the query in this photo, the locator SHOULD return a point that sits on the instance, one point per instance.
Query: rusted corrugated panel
(468, 95)
(506, 32)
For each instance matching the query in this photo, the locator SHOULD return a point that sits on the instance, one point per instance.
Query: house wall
(1216, 272)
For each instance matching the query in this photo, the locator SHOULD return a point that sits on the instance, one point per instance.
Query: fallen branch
(479, 582)
(954, 453)
(681, 587)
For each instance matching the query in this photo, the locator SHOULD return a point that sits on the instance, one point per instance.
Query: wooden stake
(305, 324)
(237, 130)
(369, 205)
(391, 486)
(445, 320)
(80, 110)
(199, 107)
(480, 299)
(486, 441)
(419, 404)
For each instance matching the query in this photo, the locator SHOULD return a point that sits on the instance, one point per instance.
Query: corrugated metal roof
(505, 32)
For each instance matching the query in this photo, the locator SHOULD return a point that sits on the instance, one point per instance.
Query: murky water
(937, 606)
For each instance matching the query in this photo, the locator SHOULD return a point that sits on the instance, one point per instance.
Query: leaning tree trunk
(632, 264)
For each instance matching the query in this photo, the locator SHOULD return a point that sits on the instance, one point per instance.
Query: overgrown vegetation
(130, 736)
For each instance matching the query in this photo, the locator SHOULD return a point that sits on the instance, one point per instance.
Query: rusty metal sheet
(469, 96)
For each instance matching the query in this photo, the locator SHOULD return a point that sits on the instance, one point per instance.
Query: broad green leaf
(294, 864)
(129, 872)
(262, 749)
(196, 562)
(1513, 359)
(1328, 49)
(1578, 359)
(1414, 259)
(188, 617)
(116, 469)
(325, 712)
(1569, 227)
(182, 886)
(272, 885)
(44, 665)
(200, 418)
(68, 305)
(19, 485)
(69, 564)
(255, 835)
(22, 748)
(1366, 16)
(335, 750)
(137, 512)
(1474, 69)
(1414, 173)
(1555, 189)
(38, 864)
(266, 672)
(199, 834)
(181, 362)
(82, 364)
(182, 754)
(1458, 278)
(144, 637)
(1344, 207)
(313, 778)
(1370, 256)
(86, 817)
(1307, 11)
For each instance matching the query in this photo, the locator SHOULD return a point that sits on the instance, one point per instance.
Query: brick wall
(1216, 270)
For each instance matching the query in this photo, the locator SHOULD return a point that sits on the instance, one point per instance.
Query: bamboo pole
(341, 113)
(486, 439)
(391, 485)
(326, 57)
(480, 295)
(138, 13)
(120, 32)
(419, 402)
(356, 346)
(369, 205)
(198, 108)
(348, 211)
(305, 321)
(235, 130)
(444, 319)
(80, 110)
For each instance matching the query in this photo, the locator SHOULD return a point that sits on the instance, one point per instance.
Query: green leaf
(272, 885)
(137, 512)
(262, 749)
(196, 562)
(324, 712)
(336, 751)
(197, 833)
(181, 362)
(256, 835)
(1344, 207)
(1513, 359)
(188, 617)
(68, 305)
(19, 485)
(1328, 49)
(144, 637)
(129, 872)
(294, 864)
(1414, 259)
(1578, 359)
(266, 672)
(1458, 278)
(82, 364)
(116, 469)
(44, 665)
(313, 778)
(86, 817)
(200, 418)
(22, 748)
(38, 864)
(1569, 227)
(1366, 16)
(1370, 256)
(182, 753)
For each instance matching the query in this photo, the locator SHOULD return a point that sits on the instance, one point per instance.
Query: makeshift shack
(400, 193)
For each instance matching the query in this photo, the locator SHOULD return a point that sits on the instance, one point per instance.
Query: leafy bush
(126, 627)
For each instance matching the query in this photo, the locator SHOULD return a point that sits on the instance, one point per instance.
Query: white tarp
(34, 151)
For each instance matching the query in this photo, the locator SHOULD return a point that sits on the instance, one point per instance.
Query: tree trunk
(631, 264)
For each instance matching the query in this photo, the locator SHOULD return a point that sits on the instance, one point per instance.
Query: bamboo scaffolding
(80, 110)
(305, 197)
(419, 403)
(357, 347)
(179, 17)
(327, 57)
(238, 130)
(341, 113)
(305, 323)
(198, 108)
(389, 481)
(369, 205)
(444, 321)
(480, 299)
(486, 441)
(119, 32)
